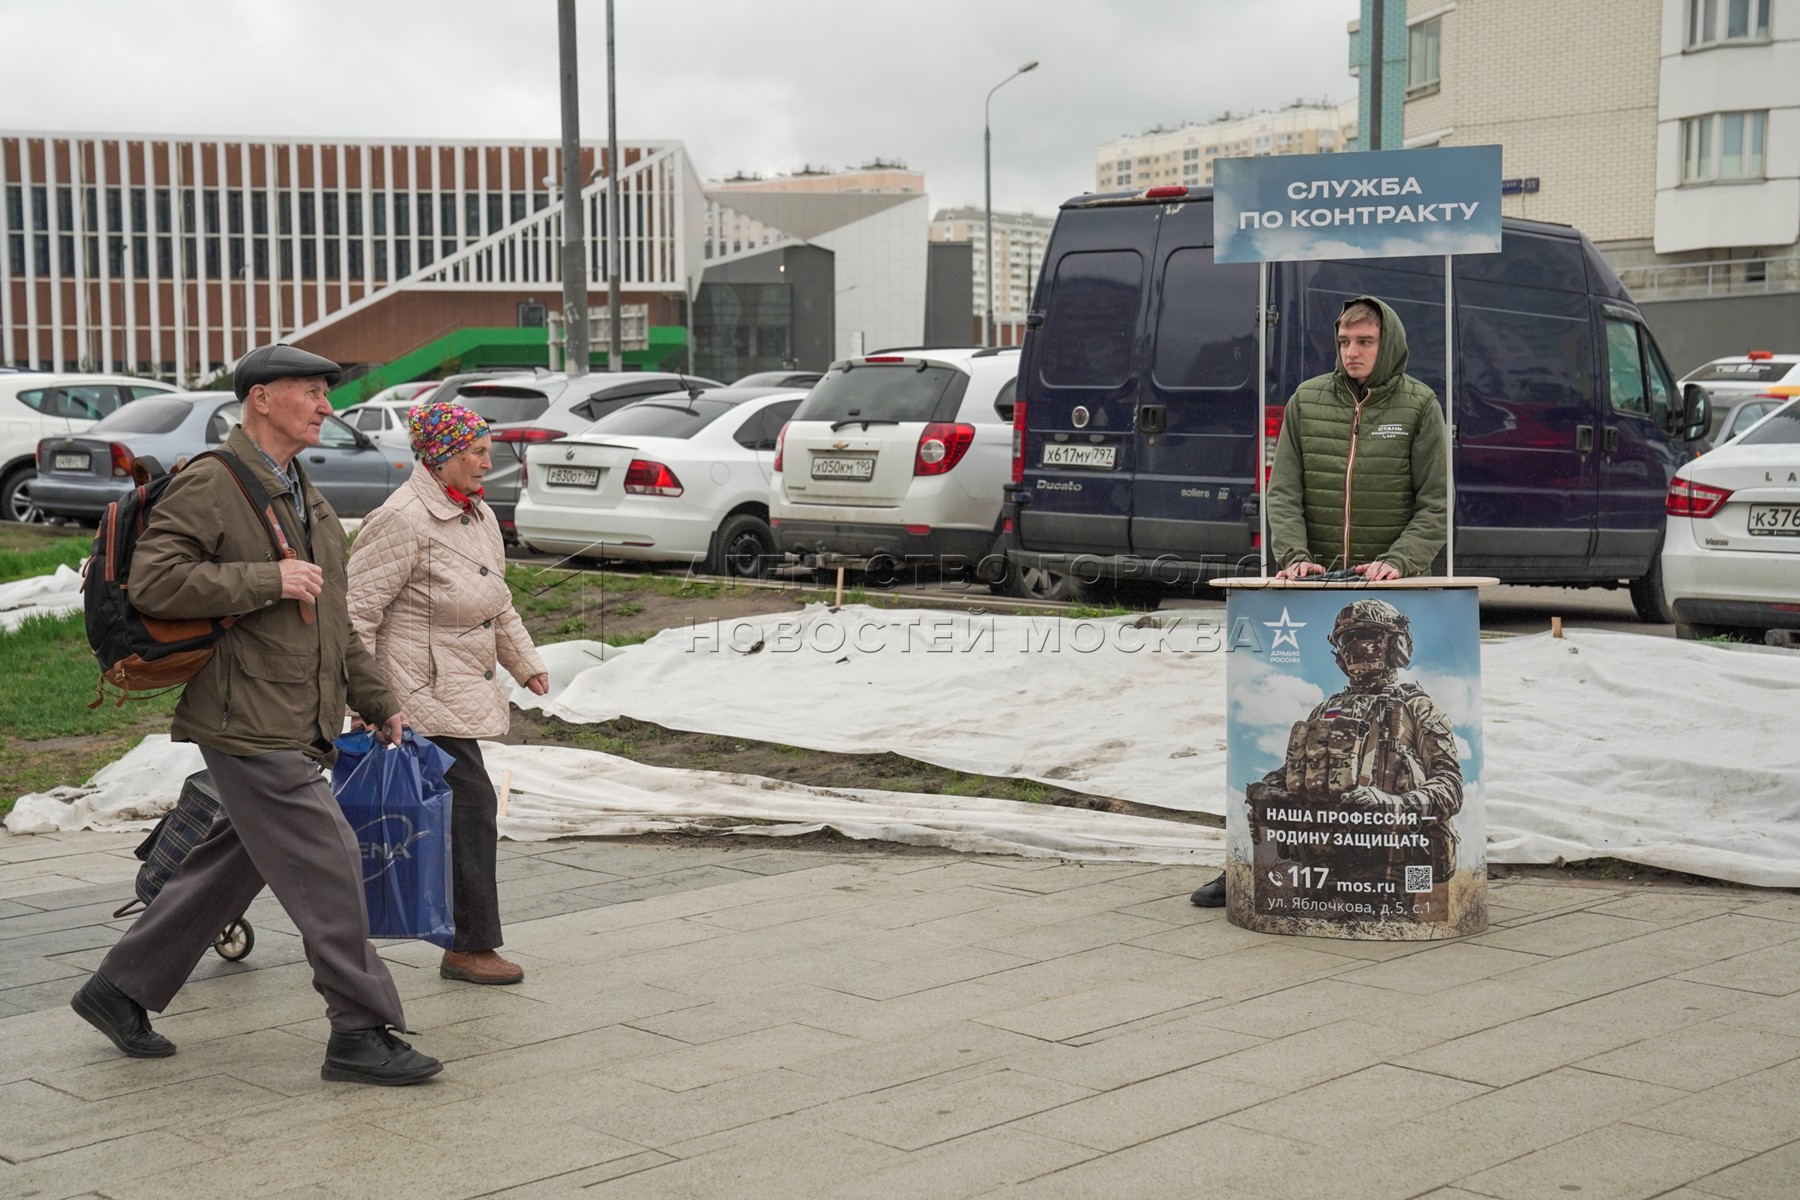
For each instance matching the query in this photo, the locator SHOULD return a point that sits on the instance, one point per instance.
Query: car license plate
(585, 477)
(1774, 520)
(1064, 454)
(70, 462)
(843, 468)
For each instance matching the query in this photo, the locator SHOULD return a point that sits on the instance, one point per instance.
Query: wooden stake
(1556, 627)
(505, 791)
(838, 602)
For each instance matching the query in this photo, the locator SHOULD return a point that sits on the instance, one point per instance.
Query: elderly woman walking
(428, 596)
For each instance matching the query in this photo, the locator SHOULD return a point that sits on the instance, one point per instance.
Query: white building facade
(1728, 127)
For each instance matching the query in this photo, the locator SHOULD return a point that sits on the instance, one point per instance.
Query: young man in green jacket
(1359, 481)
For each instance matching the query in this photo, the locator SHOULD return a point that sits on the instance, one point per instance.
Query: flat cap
(266, 364)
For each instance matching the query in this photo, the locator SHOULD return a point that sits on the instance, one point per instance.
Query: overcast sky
(758, 85)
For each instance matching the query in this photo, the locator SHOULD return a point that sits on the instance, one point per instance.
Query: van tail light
(519, 439)
(646, 478)
(122, 461)
(1173, 191)
(941, 447)
(1759, 355)
(1698, 500)
(1272, 419)
(1018, 464)
(780, 448)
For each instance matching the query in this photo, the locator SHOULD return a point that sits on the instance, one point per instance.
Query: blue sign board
(1375, 204)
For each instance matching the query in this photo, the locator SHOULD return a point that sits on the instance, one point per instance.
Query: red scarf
(467, 503)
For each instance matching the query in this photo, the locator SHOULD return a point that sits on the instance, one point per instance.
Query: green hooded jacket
(1359, 482)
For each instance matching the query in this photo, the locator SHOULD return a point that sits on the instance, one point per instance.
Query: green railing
(473, 348)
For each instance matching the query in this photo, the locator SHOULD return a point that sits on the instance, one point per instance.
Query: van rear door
(1196, 426)
(1078, 374)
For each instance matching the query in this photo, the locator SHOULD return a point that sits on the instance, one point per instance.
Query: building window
(1723, 146)
(1422, 42)
(1712, 21)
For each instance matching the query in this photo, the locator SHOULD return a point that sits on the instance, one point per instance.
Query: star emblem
(1286, 630)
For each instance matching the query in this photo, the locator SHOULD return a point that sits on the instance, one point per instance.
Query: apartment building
(1184, 154)
(1666, 130)
(1019, 241)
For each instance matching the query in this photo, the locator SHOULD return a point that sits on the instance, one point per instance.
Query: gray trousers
(281, 826)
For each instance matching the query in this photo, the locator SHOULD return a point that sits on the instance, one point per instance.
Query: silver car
(79, 475)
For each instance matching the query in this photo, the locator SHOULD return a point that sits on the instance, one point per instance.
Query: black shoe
(1210, 896)
(375, 1056)
(120, 1018)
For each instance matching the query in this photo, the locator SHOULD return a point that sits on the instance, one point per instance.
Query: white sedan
(675, 478)
(1731, 557)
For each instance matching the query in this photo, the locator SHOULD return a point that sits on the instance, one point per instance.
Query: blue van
(1135, 442)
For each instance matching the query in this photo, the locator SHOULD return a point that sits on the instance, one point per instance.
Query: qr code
(1418, 879)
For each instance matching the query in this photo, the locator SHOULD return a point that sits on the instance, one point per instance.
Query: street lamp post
(987, 171)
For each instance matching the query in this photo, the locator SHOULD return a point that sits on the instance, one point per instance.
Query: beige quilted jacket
(428, 596)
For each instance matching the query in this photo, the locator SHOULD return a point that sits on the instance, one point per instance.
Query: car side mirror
(1696, 409)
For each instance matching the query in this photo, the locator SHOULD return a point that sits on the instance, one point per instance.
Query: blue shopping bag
(398, 805)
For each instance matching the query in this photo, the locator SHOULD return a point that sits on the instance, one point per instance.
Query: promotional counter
(1354, 758)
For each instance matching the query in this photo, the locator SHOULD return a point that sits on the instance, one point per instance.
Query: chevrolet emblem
(840, 445)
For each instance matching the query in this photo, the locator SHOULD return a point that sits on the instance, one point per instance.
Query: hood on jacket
(1390, 361)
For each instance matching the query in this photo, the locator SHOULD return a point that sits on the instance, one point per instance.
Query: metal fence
(1723, 277)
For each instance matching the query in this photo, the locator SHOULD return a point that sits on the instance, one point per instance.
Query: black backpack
(139, 653)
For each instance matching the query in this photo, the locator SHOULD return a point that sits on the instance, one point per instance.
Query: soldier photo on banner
(1351, 775)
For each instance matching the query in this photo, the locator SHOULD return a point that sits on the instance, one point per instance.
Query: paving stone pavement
(709, 1021)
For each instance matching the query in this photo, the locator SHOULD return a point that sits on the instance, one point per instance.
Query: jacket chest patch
(1389, 429)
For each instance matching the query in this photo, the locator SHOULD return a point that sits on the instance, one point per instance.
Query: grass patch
(51, 673)
(26, 562)
(629, 608)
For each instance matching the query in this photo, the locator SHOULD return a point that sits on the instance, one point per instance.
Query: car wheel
(744, 548)
(1037, 583)
(1647, 593)
(15, 502)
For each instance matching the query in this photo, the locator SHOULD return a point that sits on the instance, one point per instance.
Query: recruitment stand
(1354, 719)
(1354, 757)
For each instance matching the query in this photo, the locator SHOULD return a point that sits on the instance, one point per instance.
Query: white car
(899, 459)
(674, 478)
(1731, 557)
(37, 406)
(383, 416)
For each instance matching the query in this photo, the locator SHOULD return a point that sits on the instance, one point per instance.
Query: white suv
(35, 406)
(899, 458)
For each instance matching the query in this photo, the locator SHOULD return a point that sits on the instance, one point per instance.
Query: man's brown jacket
(278, 681)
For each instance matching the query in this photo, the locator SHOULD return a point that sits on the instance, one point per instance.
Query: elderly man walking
(264, 711)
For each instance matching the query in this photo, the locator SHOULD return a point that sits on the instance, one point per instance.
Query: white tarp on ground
(42, 594)
(559, 792)
(1672, 754)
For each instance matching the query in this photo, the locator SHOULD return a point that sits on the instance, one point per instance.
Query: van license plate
(572, 477)
(1775, 520)
(70, 462)
(1062, 454)
(843, 468)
